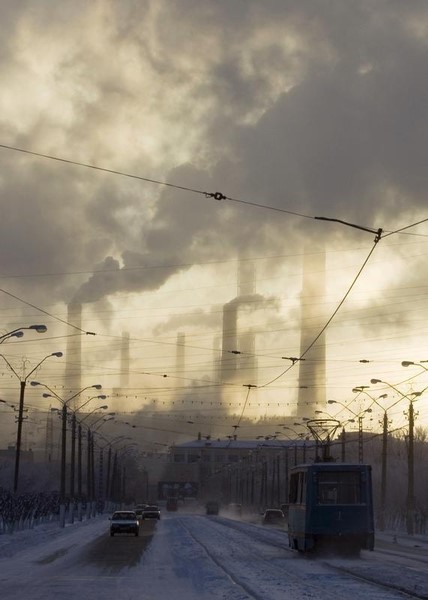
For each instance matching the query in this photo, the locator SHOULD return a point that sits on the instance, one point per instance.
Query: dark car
(139, 513)
(273, 516)
(150, 512)
(124, 521)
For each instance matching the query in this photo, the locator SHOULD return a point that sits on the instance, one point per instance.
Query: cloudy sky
(292, 109)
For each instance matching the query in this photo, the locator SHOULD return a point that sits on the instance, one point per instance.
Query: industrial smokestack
(124, 361)
(312, 371)
(180, 357)
(230, 341)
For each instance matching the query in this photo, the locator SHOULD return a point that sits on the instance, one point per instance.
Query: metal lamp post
(361, 389)
(73, 437)
(64, 404)
(79, 442)
(108, 484)
(410, 504)
(360, 417)
(20, 418)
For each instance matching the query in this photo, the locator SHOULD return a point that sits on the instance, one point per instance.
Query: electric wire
(214, 195)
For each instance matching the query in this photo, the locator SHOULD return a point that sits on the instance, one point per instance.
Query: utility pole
(63, 452)
(360, 441)
(383, 475)
(19, 434)
(73, 454)
(343, 445)
(411, 474)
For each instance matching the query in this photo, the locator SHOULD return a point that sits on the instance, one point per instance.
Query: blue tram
(331, 506)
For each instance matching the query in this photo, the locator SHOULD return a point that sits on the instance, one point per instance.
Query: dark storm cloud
(317, 107)
(342, 138)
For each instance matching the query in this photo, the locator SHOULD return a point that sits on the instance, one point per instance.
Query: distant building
(194, 461)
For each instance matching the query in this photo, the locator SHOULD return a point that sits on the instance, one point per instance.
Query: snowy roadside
(402, 539)
(13, 543)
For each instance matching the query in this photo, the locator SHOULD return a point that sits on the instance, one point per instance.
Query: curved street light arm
(100, 397)
(19, 332)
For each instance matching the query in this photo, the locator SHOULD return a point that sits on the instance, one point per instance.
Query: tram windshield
(337, 487)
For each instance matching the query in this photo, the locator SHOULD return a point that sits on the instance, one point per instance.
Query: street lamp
(109, 478)
(409, 363)
(362, 390)
(79, 442)
(64, 404)
(103, 420)
(73, 443)
(23, 383)
(410, 456)
(18, 333)
(360, 417)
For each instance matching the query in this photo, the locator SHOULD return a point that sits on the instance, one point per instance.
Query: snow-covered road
(188, 557)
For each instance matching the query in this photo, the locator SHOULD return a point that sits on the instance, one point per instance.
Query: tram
(331, 507)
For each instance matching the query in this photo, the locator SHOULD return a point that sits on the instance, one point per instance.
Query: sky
(291, 110)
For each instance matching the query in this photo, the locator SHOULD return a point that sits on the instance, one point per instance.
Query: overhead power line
(214, 195)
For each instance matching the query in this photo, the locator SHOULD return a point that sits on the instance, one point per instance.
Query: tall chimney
(312, 371)
(230, 341)
(124, 361)
(180, 356)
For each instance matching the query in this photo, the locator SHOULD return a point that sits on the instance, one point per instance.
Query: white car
(124, 521)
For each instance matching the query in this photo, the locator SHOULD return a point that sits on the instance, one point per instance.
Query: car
(150, 512)
(273, 516)
(124, 521)
(139, 513)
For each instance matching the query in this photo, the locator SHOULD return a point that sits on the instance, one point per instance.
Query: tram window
(293, 488)
(339, 488)
(298, 488)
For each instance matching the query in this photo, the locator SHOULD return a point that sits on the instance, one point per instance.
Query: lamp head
(58, 354)
(374, 381)
(97, 386)
(331, 401)
(407, 363)
(17, 334)
(39, 328)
